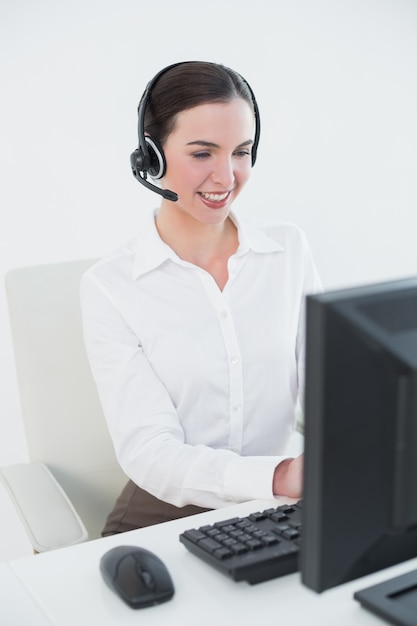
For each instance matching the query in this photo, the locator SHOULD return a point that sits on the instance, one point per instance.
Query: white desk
(67, 585)
(17, 606)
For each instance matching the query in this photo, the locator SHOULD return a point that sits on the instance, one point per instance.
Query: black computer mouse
(137, 575)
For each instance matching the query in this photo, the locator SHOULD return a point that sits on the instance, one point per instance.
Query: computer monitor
(360, 467)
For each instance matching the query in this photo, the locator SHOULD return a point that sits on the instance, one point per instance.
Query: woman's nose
(223, 172)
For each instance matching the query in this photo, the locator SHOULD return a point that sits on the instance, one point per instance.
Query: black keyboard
(255, 548)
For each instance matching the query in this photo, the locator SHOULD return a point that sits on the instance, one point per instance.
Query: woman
(195, 329)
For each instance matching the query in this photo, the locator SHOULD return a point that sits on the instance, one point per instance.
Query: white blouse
(199, 385)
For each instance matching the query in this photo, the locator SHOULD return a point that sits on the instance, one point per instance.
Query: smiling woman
(195, 330)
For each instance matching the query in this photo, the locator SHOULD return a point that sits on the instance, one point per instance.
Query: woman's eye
(206, 155)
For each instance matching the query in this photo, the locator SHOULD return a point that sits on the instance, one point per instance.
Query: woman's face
(208, 157)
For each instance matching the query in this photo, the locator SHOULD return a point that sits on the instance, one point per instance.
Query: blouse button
(234, 360)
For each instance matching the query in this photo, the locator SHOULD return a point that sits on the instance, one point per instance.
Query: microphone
(165, 193)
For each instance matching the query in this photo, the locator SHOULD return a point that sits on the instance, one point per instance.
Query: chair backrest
(62, 415)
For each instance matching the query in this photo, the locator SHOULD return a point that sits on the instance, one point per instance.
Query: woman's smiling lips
(215, 200)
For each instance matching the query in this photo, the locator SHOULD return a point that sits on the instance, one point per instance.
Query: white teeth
(215, 197)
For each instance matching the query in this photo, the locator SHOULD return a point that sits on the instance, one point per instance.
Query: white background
(336, 84)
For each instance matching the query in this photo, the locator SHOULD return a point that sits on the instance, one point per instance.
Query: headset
(149, 157)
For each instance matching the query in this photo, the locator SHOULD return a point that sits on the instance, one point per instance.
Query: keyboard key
(209, 544)
(254, 544)
(238, 548)
(291, 533)
(227, 522)
(223, 553)
(269, 540)
(194, 535)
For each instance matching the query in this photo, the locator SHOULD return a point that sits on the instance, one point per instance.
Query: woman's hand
(288, 478)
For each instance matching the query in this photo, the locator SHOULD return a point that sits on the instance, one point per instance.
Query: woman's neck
(208, 246)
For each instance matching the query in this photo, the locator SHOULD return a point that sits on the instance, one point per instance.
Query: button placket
(227, 328)
(236, 387)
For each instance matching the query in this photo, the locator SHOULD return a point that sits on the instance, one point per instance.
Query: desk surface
(67, 584)
(17, 606)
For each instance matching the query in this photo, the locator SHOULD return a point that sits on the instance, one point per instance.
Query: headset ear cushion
(136, 162)
(157, 163)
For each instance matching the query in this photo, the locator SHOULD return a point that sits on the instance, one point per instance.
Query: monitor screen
(360, 468)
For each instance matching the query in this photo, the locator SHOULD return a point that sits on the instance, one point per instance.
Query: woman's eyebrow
(209, 144)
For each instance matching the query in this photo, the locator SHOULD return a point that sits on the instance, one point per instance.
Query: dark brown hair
(185, 86)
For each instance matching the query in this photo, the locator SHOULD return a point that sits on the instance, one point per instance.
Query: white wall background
(336, 83)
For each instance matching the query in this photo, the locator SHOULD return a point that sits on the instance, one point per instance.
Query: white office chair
(64, 494)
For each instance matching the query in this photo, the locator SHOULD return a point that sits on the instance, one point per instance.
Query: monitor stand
(394, 600)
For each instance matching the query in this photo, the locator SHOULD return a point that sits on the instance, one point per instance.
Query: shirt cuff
(250, 478)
